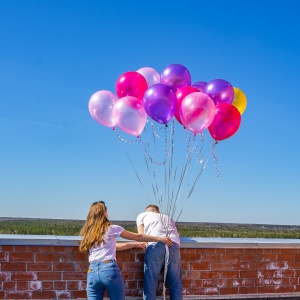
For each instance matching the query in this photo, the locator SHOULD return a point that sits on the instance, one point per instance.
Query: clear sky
(55, 160)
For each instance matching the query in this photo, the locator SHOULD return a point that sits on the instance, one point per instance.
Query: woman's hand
(167, 241)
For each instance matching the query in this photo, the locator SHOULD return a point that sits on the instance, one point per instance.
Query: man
(152, 222)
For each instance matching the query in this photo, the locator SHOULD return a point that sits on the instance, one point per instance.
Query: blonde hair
(94, 227)
(153, 208)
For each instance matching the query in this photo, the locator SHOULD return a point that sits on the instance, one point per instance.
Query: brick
(78, 257)
(46, 257)
(79, 294)
(220, 282)
(18, 295)
(209, 274)
(248, 274)
(43, 295)
(286, 257)
(138, 275)
(71, 249)
(235, 250)
(235, 282)
(82, 285)
(22, 285)
(200, 266)
(208, 283)
(20, 249)
(33, 248)
(211, 257)
(72, 285)
(248, 290)
(13, 266)
(81, 266)
(59, 249)
(9, 285)
(220, 266)
(49, 276)
(63, 266)
(192, 257)
(229, 291)
(230, 274)
(20, 256)
(132, 267)
(39, 266)
(139, 257)
(277, 265)
(193, 274)
(47, 285)
(74, 276)
(129, 275)
(23, 276)
(230, 257)
(6, 248)
(210, 250)
(60, 285)
(45, 249)
(240, 266)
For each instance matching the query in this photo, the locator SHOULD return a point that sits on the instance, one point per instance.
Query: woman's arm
(130, 245)
(145, 238)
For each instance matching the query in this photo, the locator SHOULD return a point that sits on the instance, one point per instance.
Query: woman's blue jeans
(154, 263)
(103, 276)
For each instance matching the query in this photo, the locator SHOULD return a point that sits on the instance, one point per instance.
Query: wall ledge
(29, 240)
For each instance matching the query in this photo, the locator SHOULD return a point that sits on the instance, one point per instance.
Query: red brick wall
(59, 272)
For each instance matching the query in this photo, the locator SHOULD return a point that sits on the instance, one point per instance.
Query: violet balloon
(197, 111)
(151, 75)
(176, 76)
(220, 91)
(101, 105)
(129, 115)
(226, 122)
(199, 85)
(131, 84)
(160, 103)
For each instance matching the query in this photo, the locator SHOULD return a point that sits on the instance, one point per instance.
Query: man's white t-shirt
(107, 249)
(158, 225)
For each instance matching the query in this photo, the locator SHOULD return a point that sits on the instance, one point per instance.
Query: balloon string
(138, 139)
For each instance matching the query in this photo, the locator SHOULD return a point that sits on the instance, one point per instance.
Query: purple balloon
(176, 76)
(220, 91)
(160, 102)
(199, 85)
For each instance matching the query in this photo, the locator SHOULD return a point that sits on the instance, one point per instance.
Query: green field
(186, 229)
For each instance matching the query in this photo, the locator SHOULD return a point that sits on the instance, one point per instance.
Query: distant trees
(193, 229)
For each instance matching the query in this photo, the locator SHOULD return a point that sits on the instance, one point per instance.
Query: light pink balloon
(151, 75)
(130, 115)
(100, 107)
(197, 111)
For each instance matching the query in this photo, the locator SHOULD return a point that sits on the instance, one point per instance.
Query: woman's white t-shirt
(107, 249)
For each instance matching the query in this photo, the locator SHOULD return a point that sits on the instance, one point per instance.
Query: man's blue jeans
(103, 276)
(154, 263)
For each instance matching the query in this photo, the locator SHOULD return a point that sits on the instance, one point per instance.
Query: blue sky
(56, 160)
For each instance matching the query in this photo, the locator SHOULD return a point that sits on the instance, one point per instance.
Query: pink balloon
(100, 107)
(130, 115)
(197, 111)
(180, 95)
(151, 75)
(226, 122)
(131, 84)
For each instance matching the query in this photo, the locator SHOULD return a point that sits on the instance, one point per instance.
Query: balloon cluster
(215, 105)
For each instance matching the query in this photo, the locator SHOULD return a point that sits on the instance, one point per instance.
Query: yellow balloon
(240, 100)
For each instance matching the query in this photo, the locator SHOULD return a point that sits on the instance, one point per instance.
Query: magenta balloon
(197, 111)
(131, 84)
(220, 91)
(160, 103)
(180, 95)
(176, 76)
(226, 122)
(129, 115)
(100, 107)
(199, 85)
(151, 75)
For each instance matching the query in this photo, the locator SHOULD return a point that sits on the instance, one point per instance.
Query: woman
(99, 242)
